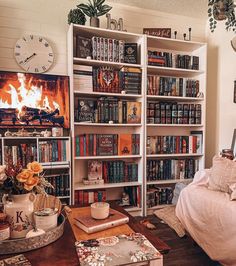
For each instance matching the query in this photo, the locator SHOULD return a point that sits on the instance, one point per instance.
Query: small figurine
(189, 34)
(125, 199)
(184, 36)
(175, 33)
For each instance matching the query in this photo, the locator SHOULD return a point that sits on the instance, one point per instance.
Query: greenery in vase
(15, 181)
(76, 16)
(95, 8)
(222, 10)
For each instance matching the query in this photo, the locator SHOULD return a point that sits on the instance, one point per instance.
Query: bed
(210, 218)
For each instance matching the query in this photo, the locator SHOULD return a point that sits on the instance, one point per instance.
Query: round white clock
(33, 53)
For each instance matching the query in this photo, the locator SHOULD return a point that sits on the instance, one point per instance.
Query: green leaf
(99, 2)
(103, 10)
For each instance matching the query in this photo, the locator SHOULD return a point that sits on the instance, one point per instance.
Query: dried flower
(24, 175)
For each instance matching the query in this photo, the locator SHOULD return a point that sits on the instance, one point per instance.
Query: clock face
(33, 53)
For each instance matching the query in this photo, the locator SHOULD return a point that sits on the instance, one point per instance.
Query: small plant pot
(94, 22)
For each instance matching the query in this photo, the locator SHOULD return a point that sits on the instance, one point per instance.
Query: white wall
(48, 18)
(221, 111)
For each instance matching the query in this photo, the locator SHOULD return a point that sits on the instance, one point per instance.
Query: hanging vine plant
(222, 10)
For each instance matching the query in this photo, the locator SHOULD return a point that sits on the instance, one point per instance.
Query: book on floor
(91, 225)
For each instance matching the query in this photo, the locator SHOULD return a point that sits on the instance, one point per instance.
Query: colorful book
(125, 144)
(133, 112)
(94, 170)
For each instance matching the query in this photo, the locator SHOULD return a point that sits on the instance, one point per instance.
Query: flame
(27, 92)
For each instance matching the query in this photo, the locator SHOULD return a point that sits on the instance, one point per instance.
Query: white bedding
(210, 218)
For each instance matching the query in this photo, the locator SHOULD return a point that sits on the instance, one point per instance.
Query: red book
(81, 143)
(87, 144)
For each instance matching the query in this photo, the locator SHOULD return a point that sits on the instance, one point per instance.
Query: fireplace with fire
(34, 100)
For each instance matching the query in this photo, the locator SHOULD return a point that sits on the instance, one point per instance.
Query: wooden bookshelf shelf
(174, 125)
(92, 62)
(81, 186)
(171, 71)
(169, 181)
(99, 94)
(174, 155)
(174, 98)
(108, 157)
(106, 124)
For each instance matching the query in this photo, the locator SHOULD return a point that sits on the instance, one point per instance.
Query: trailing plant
(222, 10)
(76, 16)
(95, 8)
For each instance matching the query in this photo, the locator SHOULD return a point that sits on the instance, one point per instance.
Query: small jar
(4, 227)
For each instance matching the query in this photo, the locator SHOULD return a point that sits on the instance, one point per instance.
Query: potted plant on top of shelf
(94, 10)
(220, 10)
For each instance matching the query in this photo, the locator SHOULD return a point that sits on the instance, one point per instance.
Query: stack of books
(60, 183)
(159, 196)
(173, 113)
(171, 86)
(171, 169)
(83, 78)
(165, 59)
(175, 144)
(107, 144)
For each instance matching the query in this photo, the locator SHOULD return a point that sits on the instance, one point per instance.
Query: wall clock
(33, 53)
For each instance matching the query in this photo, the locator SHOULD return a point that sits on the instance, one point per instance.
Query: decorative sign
(160, 32)
(112, 24)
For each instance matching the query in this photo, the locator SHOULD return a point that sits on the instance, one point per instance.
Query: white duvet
(210, 218)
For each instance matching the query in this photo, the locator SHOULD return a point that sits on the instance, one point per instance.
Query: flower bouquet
(16, 181)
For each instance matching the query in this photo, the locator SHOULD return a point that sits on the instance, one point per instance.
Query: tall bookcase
(79, 164)
(161, 129)
(113, 190)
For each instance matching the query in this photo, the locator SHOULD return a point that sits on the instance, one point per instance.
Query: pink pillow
(222, 174)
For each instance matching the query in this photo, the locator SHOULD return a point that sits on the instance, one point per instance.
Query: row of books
(173, 113)
(171, 169)
(107, 144)
(53, 150)
(21, 154)
(107, 109)
(170, 86)
(85, 197)
(165, 59)
(112, 171)
(159, 196)
(108, 79)
(60, 183)
(175, 144)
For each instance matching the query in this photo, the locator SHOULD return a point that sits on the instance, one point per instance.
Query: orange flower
(31, 183)
(24, 175)
(35, 167)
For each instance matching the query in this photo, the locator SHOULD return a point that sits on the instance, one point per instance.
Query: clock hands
(30, 57)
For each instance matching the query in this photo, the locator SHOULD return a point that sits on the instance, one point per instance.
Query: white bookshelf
(48, 167)
(79, 166)
(144, 43)
(181, 47)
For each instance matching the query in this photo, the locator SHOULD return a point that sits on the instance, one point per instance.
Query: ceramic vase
(94, 22)
(19, 211)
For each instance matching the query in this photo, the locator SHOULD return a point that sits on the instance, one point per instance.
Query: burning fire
(30, 97)
(34, 99)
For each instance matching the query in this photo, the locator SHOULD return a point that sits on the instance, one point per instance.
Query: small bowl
(100, 210)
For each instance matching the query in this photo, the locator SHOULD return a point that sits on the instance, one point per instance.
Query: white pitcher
(19, 212)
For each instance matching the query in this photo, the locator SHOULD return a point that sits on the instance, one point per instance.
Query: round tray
(27, 244)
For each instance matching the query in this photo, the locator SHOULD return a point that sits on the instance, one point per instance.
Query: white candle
(100, 210)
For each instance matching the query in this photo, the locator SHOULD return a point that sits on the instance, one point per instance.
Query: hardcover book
(133, 112)
(125, 144)
(94, 170)
(91, 225)
(86, 110)
(118, 250)
(83, 47)
(131, 53)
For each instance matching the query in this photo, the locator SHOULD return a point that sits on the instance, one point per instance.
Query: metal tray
(26, 244)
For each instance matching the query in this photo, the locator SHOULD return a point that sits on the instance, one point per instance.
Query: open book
(91, 225)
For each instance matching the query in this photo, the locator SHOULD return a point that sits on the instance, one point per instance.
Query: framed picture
(233, 145)
(235, 91)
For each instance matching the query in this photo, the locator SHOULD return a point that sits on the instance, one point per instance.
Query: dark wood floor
(184, 252)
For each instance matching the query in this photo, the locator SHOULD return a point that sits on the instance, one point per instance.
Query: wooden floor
(184, 252)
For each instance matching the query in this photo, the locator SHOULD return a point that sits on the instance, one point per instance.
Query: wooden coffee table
(63, 253)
